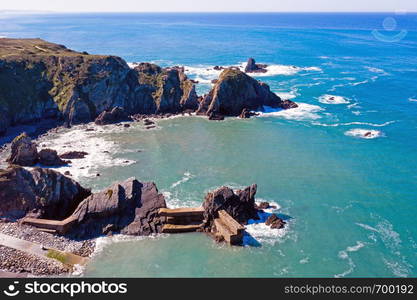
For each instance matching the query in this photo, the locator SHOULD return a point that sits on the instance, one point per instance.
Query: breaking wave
(303, 112)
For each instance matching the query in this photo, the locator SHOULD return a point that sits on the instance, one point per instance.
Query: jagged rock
(239, 205)
(263, 205)
(246, 114)
(129, 207)
(49, 157)
(41, 193)
(171, 90)
(275, 222)
(253, 67)
(288, 104)
(148, 122)
(23, 151)
(116, 115)
(73, 155)
(235, 91)
(46, 80)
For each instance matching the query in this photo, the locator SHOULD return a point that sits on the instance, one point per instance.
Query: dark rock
(49, 157)
(240, 205)
(214, 81)
(235, 91)
(216, 117)
(126, 125)
(67, 173)
(218, 68)
(42, 193)
(288, 104)
(263, 205)
(246, 114)
(129, 207)
(73, 155)
(23, 151)
(148, 122)
(275, 222)
(253, 67)
(116, 115)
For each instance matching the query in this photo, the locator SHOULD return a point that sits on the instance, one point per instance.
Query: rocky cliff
(235, 91)
(41, 80)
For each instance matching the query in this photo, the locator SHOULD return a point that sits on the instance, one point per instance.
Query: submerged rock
(23, 151)
(128, 207)
(253, 67)
(239, 205)
(235, 91)
(39, 193)
(73, 155)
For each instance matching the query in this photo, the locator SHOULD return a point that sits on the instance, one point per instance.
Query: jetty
(191, 219)
(51, 226)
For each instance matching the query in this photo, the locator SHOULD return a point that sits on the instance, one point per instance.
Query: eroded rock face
(115, 115)
(239, 205)
(49, 157)
(129, 207)
(235, 91)
(23, 151)
(46, 80)
(171, 90)
(39, 193)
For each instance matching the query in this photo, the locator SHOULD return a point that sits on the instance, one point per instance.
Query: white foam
(332, 99)
(263, 233)
(344, 254)
(287, 95)
(187, 176)
(273, 205)
(303, 112)
(364, 133)
(354, 123)
(100, 150)
(375, 70)
(412, 99)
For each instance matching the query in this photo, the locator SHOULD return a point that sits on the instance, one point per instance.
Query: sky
(210, 5)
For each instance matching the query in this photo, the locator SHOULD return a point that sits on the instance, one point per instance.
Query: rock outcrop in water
(38, 193)
(253, 67)
(23, 151)
(116, 115)
(40, 80)
(236, 91)
(239, 205)
(128, 207)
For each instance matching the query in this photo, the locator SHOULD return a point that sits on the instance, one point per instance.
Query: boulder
(49, 157)
(73, 155)
(116, 115)
(239, 205)
(128, 207)
(275, 222)
(235, 91)
(288, 104)
(23, 151)
(253, 67)
(38, 193)
(246, 114)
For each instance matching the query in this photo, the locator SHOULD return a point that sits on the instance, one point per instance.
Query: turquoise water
(351, 200)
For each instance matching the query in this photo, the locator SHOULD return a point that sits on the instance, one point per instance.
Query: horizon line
(195, 12)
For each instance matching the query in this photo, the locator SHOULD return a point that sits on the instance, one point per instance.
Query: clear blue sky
(210, 5)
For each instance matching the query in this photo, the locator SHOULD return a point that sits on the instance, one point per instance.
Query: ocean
(341, 168)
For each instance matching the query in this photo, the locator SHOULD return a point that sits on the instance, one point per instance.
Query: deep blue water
(353, 196)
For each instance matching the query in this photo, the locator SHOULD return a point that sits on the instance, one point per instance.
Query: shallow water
(350, 199)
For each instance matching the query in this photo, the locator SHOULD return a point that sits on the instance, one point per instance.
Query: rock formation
(116, 115)
(39, 193)
(275, 222)
(73, 155)
(23, 151)
(49, 157)
(239, 205)
(44, 80)
(236, 91)
(253, 67)
(129, 207)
